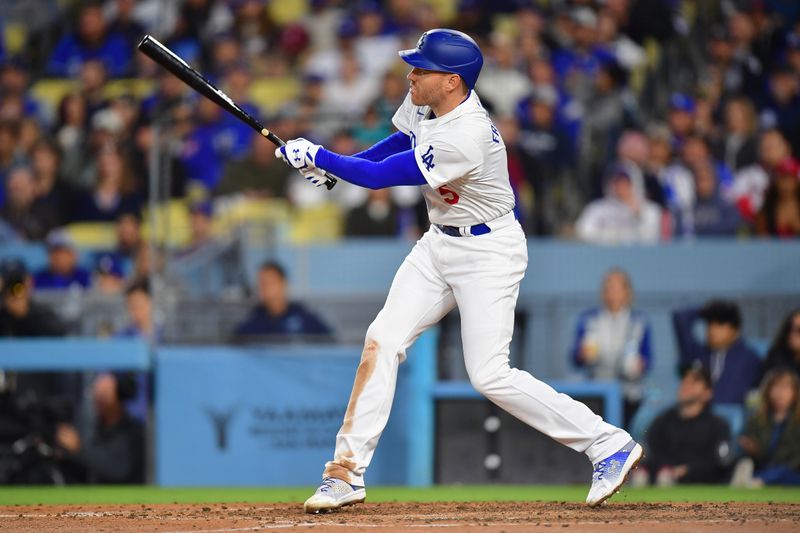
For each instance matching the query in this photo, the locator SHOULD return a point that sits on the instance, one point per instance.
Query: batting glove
(298, 153)
(315, 176)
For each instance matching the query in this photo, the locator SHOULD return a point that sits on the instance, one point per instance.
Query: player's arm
(397, 169)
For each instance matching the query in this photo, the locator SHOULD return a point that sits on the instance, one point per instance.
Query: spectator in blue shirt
(711, 215)
(62, 271)
(612, 342)
(277, 317)
(734, 366)
(92, 40)
(210, 144)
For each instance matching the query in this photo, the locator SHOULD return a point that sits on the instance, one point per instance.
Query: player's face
(427, 86)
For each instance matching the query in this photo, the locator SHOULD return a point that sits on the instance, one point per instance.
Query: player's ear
(454, 82)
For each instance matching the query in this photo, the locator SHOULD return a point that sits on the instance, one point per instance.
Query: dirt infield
(484, 517)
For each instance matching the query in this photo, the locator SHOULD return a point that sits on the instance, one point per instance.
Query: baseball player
(473, 256)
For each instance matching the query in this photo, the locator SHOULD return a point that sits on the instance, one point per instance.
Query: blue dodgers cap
(109, 263)
(681, 102)
(57, 239)
(446, 50)
(204, 208)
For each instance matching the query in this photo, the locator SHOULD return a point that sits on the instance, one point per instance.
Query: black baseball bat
(165, 57)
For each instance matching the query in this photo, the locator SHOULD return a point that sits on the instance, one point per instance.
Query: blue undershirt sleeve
(397, 169)
(393, 144)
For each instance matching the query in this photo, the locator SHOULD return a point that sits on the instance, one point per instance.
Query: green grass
(576, 493)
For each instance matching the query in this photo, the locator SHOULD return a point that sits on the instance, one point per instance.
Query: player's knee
(487, 379)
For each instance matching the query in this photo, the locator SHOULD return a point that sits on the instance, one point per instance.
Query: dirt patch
(484, 517)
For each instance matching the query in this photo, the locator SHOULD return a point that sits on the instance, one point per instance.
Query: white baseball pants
(481, 275)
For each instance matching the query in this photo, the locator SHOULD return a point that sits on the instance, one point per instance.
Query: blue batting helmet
(446, 50)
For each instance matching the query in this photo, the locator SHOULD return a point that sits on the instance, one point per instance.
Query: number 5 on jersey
(448, 195)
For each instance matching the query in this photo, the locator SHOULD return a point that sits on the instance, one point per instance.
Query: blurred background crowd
(625, 122)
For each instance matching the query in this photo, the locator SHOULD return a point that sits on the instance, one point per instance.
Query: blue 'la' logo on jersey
(427, 159)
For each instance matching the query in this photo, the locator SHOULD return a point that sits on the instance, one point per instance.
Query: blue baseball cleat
(333, 494)
(610, 473)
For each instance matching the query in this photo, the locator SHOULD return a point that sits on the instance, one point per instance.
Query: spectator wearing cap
(680, 118)
(31, 217)
(622, 216)
(687, 443)
(20, 316)
(62, 271)
(91, 40)
(108, 276)
(734, 366)
(780, 214)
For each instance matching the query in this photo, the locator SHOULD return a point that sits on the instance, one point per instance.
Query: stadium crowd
(625, 121)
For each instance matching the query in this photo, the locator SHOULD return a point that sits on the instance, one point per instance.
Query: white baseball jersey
(463, 159)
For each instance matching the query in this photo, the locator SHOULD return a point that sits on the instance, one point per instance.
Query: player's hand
(298, 153)
(315, 176)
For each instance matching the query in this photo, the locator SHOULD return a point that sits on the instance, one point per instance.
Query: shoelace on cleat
(599, 471)
(327, 483)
